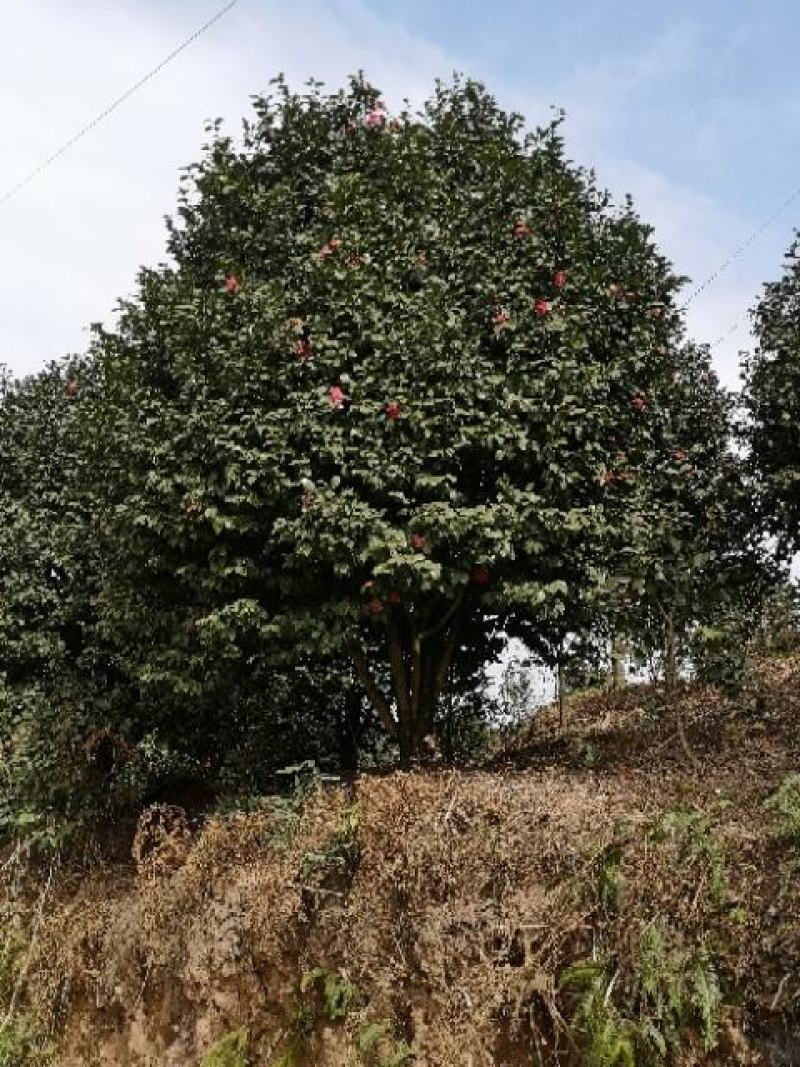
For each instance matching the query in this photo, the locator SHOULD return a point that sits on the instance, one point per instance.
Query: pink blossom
(337, 396)
(329, 247)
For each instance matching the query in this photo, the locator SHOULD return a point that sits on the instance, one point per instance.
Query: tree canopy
(376, 398)
(772, 403)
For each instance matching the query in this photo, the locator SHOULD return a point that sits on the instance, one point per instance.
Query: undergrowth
(785, 803)
(229, 1051)
(671, 993)
(324, 995)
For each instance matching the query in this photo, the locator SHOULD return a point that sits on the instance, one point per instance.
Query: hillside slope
(610, 896)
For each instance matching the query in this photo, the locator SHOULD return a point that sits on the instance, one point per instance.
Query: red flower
(479, 575)
(375, 118)
(615, 289)
(355, 260)
(394, 597)
(680, 456)
(541, 307)
(303, 349)
(337, 396)
(500, 318)
(418, 542)
(231, 284)
(560, 279)
(375, 606)
(607, 477)
(329, 247)
(521, 229)
(656, 312)
(639, 402)
(71, 387)
(392, 410)
(306, 501)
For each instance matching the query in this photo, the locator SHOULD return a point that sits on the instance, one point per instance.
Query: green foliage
(609, 878)
(338, 995)
(21, 1044)
(321, 993)
(720, 654)
(339, 856)
(772, 403)
(785, 803)
(229, 1051)
(670, 993)
(675, 989)
(697, 555)
(690, 833)
(610, 1039)
(377, 1048)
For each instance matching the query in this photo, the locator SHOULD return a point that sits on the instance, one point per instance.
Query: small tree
(697, 550)
(772, 404)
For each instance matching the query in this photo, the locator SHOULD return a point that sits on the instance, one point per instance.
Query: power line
(734, 326)
(739, 249)
(37, 170)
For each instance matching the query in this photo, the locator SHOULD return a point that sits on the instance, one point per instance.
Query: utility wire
(104, 114)
(739, 249)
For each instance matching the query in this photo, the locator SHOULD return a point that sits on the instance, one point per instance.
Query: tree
(696, 551)
(48, 578)
(371, 406)
(772, 403)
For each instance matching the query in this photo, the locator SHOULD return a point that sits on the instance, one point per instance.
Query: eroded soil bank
(601, 894)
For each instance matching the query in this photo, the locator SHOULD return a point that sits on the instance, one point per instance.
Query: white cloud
(74, 237)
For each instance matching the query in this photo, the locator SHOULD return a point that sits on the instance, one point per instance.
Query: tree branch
(373, 692)
(440, 625)
(445, 663)
(399, 673)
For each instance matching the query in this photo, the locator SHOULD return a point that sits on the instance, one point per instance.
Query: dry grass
(452, 901)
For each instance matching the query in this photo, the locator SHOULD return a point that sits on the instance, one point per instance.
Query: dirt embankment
(602, 897)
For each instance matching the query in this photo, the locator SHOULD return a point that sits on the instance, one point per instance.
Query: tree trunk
(348, 731)
(419, 665)
(561, 692)
(617, 663)
(670, 663)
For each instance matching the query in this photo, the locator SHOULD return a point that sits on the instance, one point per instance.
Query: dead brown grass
(452, 900)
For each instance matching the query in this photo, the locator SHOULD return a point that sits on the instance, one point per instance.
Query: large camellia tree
(373, 408)
(772, 399)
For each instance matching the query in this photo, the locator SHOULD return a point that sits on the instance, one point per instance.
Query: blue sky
(694, 108)
(706, 94)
